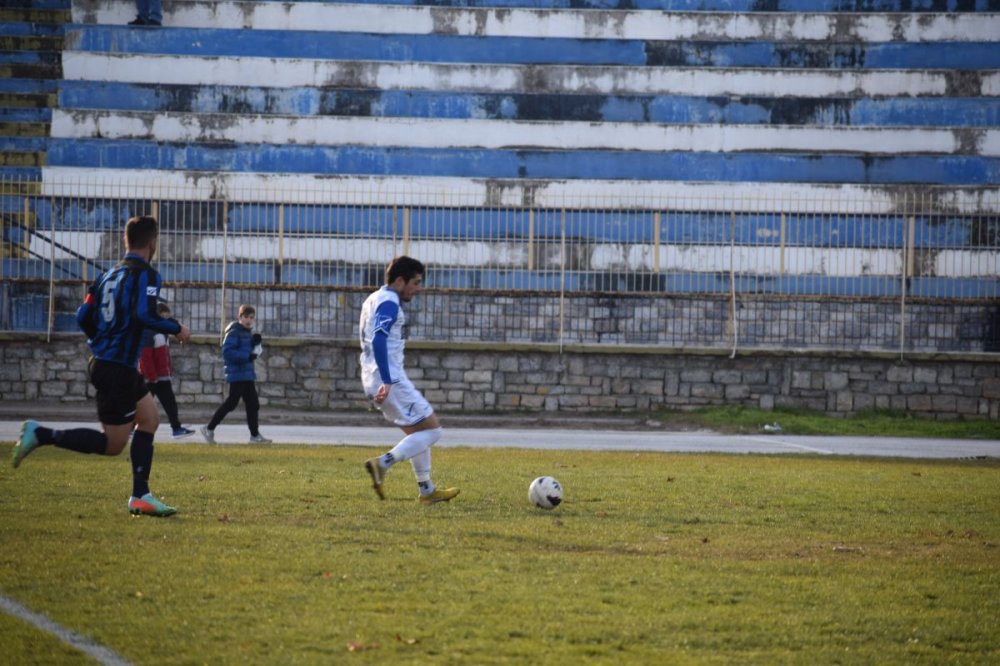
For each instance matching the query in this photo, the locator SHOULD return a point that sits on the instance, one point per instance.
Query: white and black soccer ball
(545, 492)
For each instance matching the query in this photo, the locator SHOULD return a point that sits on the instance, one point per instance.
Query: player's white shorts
(405, 406)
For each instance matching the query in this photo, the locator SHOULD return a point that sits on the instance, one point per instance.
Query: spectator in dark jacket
(240, 348)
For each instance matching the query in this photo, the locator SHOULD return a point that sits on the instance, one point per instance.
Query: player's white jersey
(372, 319)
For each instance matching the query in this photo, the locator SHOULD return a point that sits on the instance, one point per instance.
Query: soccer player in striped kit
(382, 331)
(119, 306)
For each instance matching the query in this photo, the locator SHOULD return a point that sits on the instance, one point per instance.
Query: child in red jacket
(154, 364)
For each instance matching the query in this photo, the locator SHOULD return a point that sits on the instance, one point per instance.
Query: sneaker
(138, 20)
(147, 505)
(375, 469)
(259, 439)
(209, 435)
(439, 495)
(27, 443)
(180, 433)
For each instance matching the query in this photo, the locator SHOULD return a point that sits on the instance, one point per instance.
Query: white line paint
(94, 650)
(563, 23)
(554, 438)
(800, 447)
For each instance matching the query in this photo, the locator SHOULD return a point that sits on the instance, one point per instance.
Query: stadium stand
(546, 104)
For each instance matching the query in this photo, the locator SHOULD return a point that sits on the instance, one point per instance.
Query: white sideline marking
(778, 442)
(82, 643)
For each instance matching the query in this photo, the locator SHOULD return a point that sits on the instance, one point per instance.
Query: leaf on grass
(202, 477)
(327, 574)
(224, 518)
(358, 646)
(408, 641)
(846, 549)
(704, 539)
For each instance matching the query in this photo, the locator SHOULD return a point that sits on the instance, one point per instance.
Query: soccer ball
(545, 492)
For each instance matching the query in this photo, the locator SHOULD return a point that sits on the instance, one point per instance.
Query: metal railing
(910, 272)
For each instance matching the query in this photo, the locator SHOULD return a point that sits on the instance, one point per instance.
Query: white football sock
(415, 443)
(422, 466)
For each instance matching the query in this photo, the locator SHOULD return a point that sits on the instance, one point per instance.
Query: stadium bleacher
(544, 101)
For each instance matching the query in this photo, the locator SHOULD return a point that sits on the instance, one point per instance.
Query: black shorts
(119, 390)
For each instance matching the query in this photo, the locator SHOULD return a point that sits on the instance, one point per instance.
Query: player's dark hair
(404, 267)
(140, 231)
(247, 310)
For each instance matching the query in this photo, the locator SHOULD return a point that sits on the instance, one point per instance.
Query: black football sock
(142, 462)
(81, 440)
(46, 435)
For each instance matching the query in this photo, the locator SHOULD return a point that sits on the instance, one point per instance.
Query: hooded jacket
(237, 349)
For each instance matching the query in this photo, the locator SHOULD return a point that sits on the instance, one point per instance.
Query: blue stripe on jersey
(385, 317)
(126, 305)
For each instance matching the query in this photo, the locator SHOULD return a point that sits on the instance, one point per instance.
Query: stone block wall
(308, 374)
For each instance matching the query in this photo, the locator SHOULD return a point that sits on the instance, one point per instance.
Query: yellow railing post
(281, 240)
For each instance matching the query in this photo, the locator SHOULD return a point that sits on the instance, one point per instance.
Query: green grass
(283, 555)
(875, 423)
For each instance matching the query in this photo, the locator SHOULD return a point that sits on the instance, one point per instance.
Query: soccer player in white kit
(383, 337)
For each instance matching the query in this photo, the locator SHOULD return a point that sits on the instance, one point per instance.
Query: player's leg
(35, 435)
(82, 440)
(228, 405)
(252, 404)
(421, 463)
(164, 392)
(147, 420)
(406, 407)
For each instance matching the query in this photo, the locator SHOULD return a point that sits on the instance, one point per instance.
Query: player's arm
(385, 318)
(145, 310)
(86, 314)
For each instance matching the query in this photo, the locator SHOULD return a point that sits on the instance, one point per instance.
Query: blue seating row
(441, 48)
(302, 101)
(514, 225)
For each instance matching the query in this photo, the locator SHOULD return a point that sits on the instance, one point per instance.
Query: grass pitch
(283, 555)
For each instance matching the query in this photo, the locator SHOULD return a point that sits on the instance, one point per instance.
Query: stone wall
(314, 375)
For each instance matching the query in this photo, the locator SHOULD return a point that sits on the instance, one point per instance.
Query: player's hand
(382, 393)
(184, 334)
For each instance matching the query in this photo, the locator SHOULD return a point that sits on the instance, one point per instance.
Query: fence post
(225, 265)
(562, 278)
(907, 272)
(656, 242)
(531, 239)
(406, 230)
(732, 281)
(281, 242)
